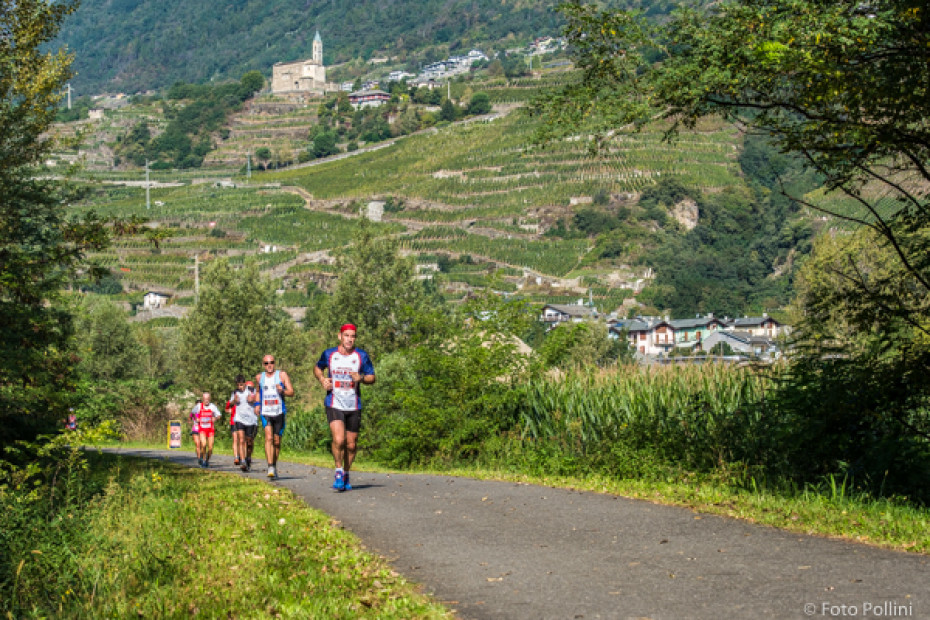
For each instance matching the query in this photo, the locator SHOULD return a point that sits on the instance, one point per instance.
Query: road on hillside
(509, 550)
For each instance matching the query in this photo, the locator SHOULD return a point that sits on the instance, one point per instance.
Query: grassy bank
(123, 537)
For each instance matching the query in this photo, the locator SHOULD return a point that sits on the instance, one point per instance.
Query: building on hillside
(563, 313)
(759, 326)
(651, 336)
(368, 98)
(647, 335)
(302, 76)
(742, 342)
(153, 300)
(397, 76)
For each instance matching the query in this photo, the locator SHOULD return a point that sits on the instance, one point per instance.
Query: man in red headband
(348, 369)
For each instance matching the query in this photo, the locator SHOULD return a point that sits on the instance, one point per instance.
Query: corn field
(702, 416)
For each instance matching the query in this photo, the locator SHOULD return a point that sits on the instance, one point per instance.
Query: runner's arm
(288, 388)
(324, 380)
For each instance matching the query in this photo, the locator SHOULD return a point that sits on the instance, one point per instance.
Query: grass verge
(161, 540)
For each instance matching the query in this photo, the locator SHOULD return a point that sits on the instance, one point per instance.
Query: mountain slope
(132, 45)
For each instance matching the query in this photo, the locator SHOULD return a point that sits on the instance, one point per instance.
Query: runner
(273, 387)
(348, 368)
(195, 431)
(230, 410)
(246, 425)
(206, 414)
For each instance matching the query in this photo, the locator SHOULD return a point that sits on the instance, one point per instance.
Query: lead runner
(348, 368)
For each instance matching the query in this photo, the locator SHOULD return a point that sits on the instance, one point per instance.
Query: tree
(108, 348)
(233, 324)
(841, 84)
(324, 144)
(480, 104)
(40, 246)
(376, 291)
(449, 111)
(252, 82)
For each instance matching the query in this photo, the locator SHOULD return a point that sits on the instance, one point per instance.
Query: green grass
(160, 540)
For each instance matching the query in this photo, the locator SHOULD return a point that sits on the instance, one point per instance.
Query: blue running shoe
(339, 484)
(345, 482)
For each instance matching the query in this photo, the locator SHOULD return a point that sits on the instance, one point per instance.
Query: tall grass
(698, 417)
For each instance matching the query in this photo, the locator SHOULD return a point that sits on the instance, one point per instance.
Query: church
(302, 76)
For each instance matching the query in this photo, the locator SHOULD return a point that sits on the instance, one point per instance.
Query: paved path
(509, 550)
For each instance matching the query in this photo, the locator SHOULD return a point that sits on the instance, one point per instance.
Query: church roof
(317, 37)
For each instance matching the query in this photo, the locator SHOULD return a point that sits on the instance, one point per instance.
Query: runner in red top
(206, 413)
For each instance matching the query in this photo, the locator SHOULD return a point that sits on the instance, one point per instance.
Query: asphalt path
(510, 550)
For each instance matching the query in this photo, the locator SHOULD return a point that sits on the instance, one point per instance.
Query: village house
(651, 336)
(563, 313)
(759, 326)
(152, 300)
(368, 98)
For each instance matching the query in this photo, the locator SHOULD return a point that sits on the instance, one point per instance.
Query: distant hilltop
(137, 46)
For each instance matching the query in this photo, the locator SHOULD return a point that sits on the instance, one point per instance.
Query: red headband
(347, 326)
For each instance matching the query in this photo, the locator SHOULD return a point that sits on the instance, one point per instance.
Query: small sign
(174, 434)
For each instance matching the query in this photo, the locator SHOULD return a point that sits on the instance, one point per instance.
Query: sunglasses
(267, 363)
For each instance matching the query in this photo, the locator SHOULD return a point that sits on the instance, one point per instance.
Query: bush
(441, 403)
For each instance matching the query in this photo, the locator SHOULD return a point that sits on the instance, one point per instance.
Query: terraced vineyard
(491, 169)
(480, 188)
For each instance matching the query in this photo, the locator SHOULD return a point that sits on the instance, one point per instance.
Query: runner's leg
(338, 430)
(269, 445)
(350, 449)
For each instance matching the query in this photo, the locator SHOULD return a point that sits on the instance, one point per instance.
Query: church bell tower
(318, 49)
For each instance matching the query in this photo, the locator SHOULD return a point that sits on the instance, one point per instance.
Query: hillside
(131, 46)
(475, 198)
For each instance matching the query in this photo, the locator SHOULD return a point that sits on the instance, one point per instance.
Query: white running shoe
(271, 472)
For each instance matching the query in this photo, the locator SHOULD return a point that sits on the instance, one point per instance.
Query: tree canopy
(40, 246)
(842, 84)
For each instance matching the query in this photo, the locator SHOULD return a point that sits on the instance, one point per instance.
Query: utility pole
(248, 166)
(68, 87)
(148, 200)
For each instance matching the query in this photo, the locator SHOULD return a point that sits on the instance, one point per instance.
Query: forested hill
(132, 45)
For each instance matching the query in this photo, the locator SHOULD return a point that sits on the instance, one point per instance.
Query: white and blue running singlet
(345, 394)
(272, 402)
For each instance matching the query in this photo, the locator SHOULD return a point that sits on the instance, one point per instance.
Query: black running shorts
(250, 429)
(352, 419)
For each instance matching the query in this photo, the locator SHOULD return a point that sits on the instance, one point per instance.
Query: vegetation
(188, 137)
(154, 56)
(235, 321)
(99, 537)
(41, 245)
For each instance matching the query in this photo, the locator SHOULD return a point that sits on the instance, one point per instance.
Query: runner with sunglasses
(273, 387)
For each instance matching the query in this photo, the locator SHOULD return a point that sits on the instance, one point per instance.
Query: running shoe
(237, 461)
(199, 462)
(345, 480)
(340, 483)
(271, 472)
